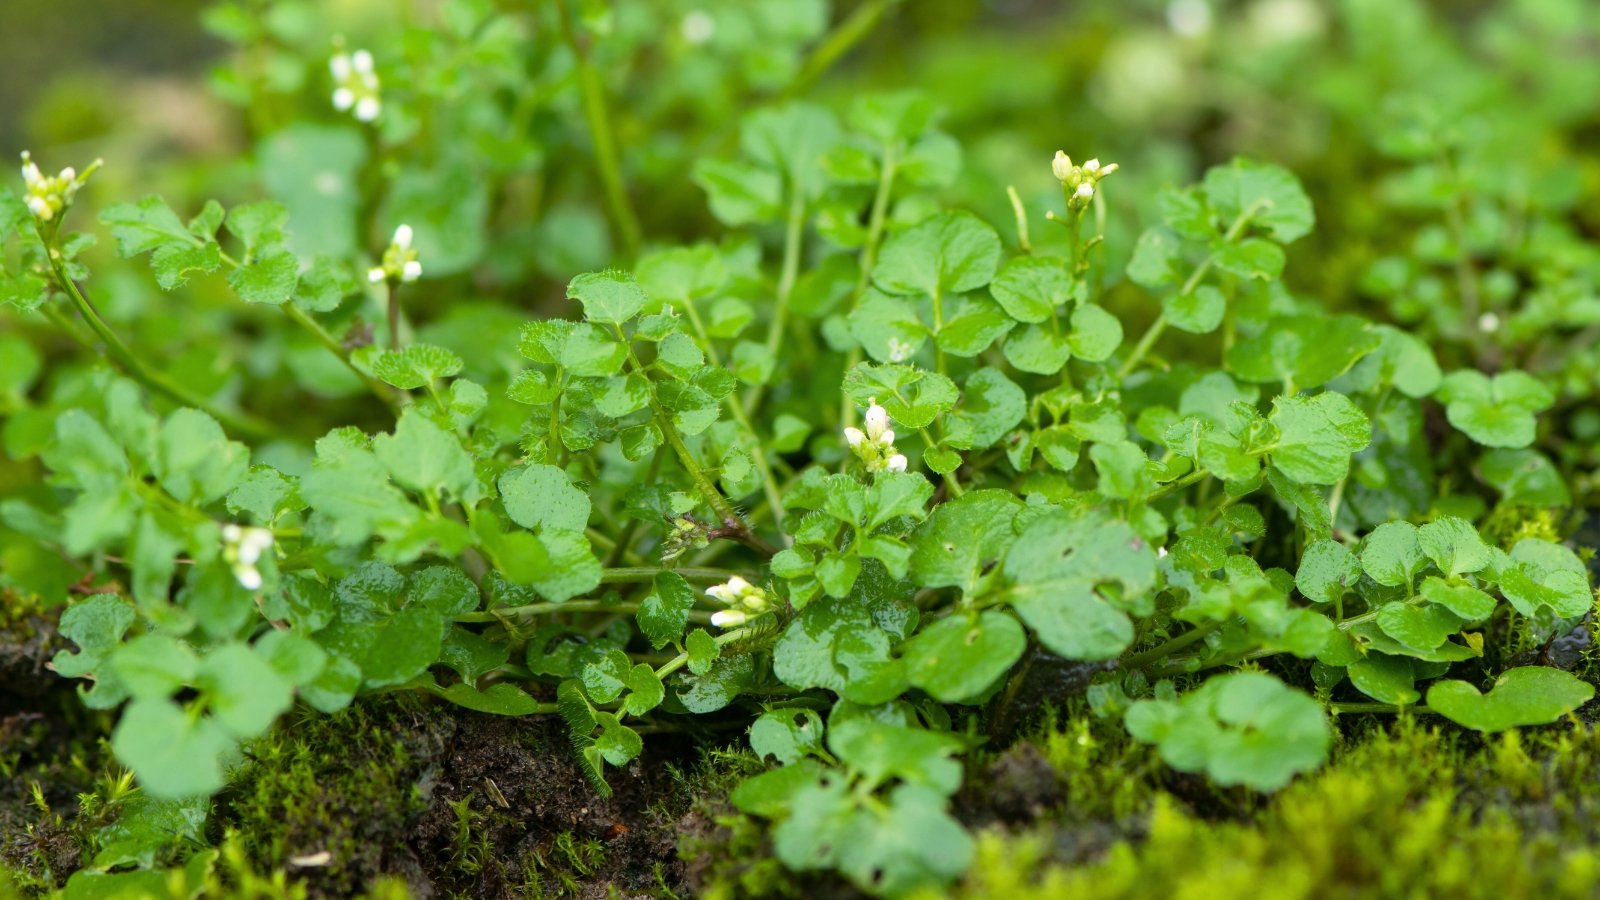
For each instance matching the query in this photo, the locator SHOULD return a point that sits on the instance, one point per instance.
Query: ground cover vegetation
(665, 449)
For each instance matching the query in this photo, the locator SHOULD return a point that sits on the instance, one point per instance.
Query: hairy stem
(598, 116)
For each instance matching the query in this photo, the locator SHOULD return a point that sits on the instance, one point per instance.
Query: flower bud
(729, 618)
(853, 436)
(877, 421)
(896, 463)
(1061, 166)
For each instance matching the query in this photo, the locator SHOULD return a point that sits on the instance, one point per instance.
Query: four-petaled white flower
(1079, 183)
(243, 548)
(355, 85)
(875, 446)
(399, 260)
(48, 196)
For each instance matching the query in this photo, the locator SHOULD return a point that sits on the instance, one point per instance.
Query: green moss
(345, 785)
(1408, 810)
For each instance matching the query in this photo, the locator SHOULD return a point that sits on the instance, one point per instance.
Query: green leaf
(1402, 360)
(1328, 570)
(499, 699)
(611, 297)
(1317, 436)
(1242, 728)
(154, 666)
(740, 193)
(703, 651)
(1032, 288)
(1198, 312)
(1095, 335)
(1270, 194)
(958, 658)
(1454, 546)
(971, 325)
(912, 397)
(991, 405)
(1303, 351)
(1524, 477)
(195, 462)
(788, 735)
(1037, 349)
(961, 540)
(665, 610)
(145, 226)
(417, 366)
(1392, 554)
(1422, 628)
(1386, 679)
(1058, 570)
(96, 624)
(1156, 259)
(645, 691)
(1464, 600)
(244, 693)
(173, 753)
(950, 253)
(424, 457)
(1497, 412)
(1528, 695)
(538, 496)
(887, 327)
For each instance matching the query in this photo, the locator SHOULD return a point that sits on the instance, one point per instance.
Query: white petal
(877, 420)
(343, 99)
(729, 618)
(367, 109)
(411, 271)
(232, 533)
(339, 65)
(1092, 166)
(402, 237)
(249, 577)
(896, 463)
(887, 438)
(1084, 191)
(40, 208)
(738, 585)
(361, 61)
(853, 436)
(376, 274)
(69, 174)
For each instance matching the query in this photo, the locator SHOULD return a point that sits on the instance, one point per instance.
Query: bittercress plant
(840, 475)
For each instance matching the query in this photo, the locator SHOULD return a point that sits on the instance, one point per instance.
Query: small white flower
(877, 420)
(339, 66)
(1061, 166)
(249, 577)
(232, 533)
(41, 208)
(729, 618)
(1488, 323)
(361, 61)
(1092, 167)
(49, 196)
(853, 436)
(343, 99)
(355, 85)
(367, 109)
(399, 261)
(31, 175)
(1085, 191)
(896, 463)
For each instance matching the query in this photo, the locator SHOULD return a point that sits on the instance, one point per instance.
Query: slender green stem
(1148, 340)
(1171, 486)
(793, 242)
(719, 504)
(1022, 219)
(1164, 650)
(769, 482)
(641, 574)
(155, 380)
(569, 606)
(394, 315)
(838, 42)
(314, 328)
(598, 116)
(682, 659)
(1339, 708)
(868, 259)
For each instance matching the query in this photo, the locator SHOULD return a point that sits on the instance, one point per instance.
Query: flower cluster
(49, 196)
(745, 601)
(242, 548)
(1079, 182)
(355, 85)
(399, 260)
(875, 446)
